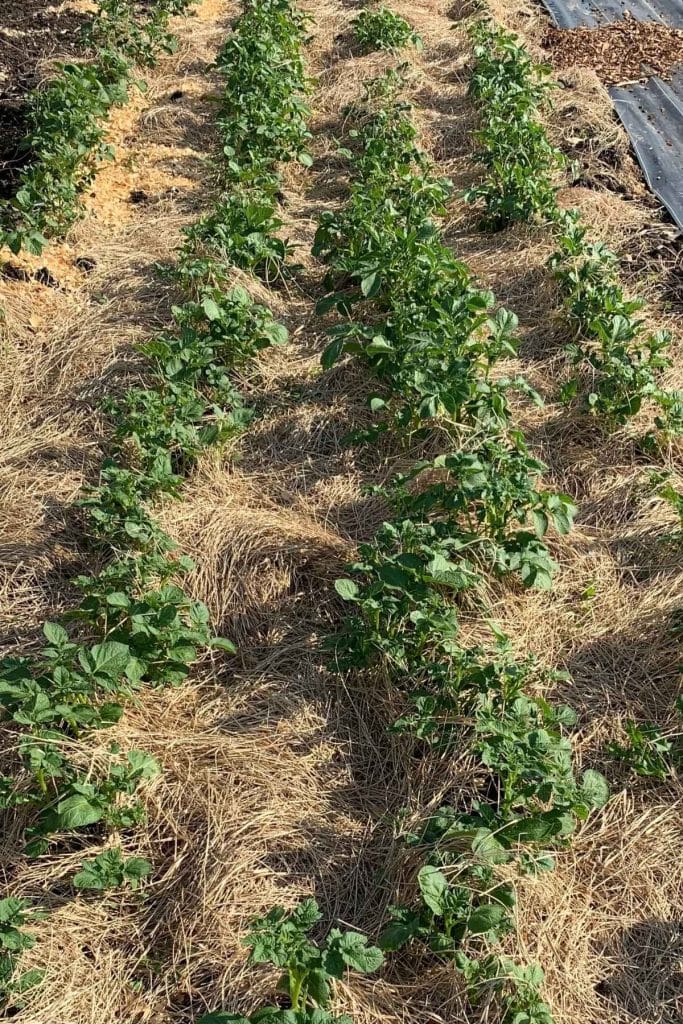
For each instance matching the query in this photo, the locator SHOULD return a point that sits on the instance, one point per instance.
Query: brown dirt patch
(622, 52)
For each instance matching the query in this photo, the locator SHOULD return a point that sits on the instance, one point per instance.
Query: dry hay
(278, 779)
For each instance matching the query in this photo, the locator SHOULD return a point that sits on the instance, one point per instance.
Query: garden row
(472, 514)
(68, 118)
(135, 627)
(623, 359)
(620, 362)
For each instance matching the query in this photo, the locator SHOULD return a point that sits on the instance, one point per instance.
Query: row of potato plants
(135, 627)
(66, 140)
(413, 316)
(620, 358)
(263, 123)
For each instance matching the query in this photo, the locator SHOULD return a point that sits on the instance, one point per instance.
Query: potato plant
(14, 915)
(111, 870)
(310, 969)
(625, 361)
(382, 29)
(521, 163)
(455, 902)
(263, 113)
(67, 119)
(650, 751)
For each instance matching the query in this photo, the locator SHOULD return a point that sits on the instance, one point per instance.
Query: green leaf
(278, 334)
(29, 979)
(77, 811)
(539, 828)
(332, 353)
(55, 633)
(318, 988)
(540, 521)
(110, 658)
(394, 577)
(379, 344)
(486, 847)
(396, 935)
(434, 887)
(346, 589)
(221, 643)
(486, 917)
(564, 715)
(11, 908)
(137, 867)
(211, 308)
(144, 765)
(369, 284)
(223, 1017)
(594, 788)
(12, 939)
(354, 950)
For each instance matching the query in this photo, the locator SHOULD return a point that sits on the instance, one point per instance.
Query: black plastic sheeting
(652, 114)
(574, 13)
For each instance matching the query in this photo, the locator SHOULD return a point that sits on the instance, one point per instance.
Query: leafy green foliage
(383, 30)
(648, 751)
(404, 574)
(462, 903)
(71, 802)
(14, 914)
(520, 161)
(410, 312)
(283, 939)
(674, 499)
(514, 988)
(67, 117)
(118, 28)
(111, 870)
(274, 1015)
(135, 626)
(521, 744)
(263, 114)
(624, 361)
(239, 231)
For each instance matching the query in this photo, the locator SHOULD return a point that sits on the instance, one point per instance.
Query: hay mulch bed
(622, 52)
(280, 780)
